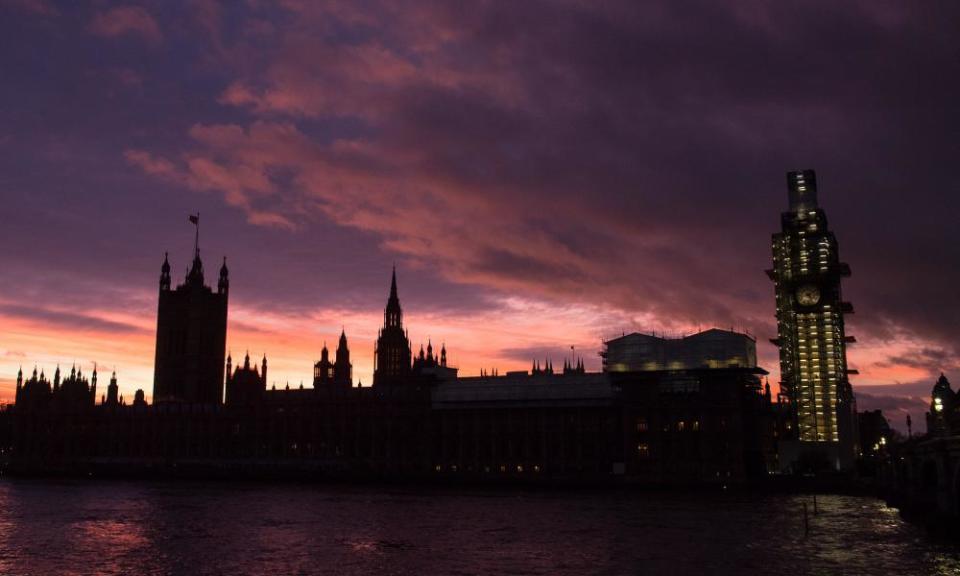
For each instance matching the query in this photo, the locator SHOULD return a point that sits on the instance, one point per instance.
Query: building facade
(807, 274)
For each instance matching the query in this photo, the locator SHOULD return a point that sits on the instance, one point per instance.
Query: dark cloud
(933, 359)
(628, 155)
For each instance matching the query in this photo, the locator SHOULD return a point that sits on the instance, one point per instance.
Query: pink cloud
(124, 20)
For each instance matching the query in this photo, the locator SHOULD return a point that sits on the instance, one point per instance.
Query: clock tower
(806, 273)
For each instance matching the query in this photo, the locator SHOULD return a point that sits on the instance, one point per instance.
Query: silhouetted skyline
(543, 175)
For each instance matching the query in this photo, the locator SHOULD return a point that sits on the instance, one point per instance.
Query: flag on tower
(195, 218)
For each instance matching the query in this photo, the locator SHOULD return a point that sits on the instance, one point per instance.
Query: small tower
(322, 370)
(19, 384)
(165, 274)
(223, 285)
(342, 369)
(229, 369)
(443, 355)
(263, 372)
(93, 386)
(113, 391)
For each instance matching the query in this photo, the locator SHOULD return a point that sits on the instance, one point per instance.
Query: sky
(542, 174)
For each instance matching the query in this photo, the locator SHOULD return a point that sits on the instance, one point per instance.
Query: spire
(393, 283)
(393, 314)
(165, 273)
(343, 339)
(223, 285)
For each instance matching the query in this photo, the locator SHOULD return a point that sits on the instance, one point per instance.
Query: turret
(19, 385)
(322, 370)
(342, 369)
(56, 378)
(229, 368)
(165, 274)
(443, 355)
(223, 286)
(113, 391)
(263, 373)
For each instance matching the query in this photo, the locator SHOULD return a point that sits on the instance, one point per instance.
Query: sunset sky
(543, 175)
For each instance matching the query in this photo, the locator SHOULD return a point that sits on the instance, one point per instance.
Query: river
(95, 527)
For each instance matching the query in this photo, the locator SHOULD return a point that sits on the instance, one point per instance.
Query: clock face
(808, 295)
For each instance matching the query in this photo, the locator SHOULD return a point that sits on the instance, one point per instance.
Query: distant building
(712, 348)
(191, 337)
(807, 272)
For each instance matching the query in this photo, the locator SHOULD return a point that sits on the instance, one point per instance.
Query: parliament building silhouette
(689, 410)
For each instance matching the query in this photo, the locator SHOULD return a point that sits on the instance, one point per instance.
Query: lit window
(643, 450)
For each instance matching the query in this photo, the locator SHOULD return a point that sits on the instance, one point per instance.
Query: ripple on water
(144, 528)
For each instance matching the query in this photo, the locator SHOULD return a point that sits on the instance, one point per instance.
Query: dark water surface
(154, 528)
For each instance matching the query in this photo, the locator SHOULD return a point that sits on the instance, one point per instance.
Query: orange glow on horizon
(497, 338)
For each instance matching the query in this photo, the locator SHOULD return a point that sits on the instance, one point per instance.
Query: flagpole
(196, 238)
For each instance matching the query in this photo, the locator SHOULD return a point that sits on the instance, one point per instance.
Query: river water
(159, 528)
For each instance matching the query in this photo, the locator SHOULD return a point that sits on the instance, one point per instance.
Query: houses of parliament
(687, 410)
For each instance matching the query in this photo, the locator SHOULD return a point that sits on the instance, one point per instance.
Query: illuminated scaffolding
(807, 274)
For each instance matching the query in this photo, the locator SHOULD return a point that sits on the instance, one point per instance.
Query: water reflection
(142, 528)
